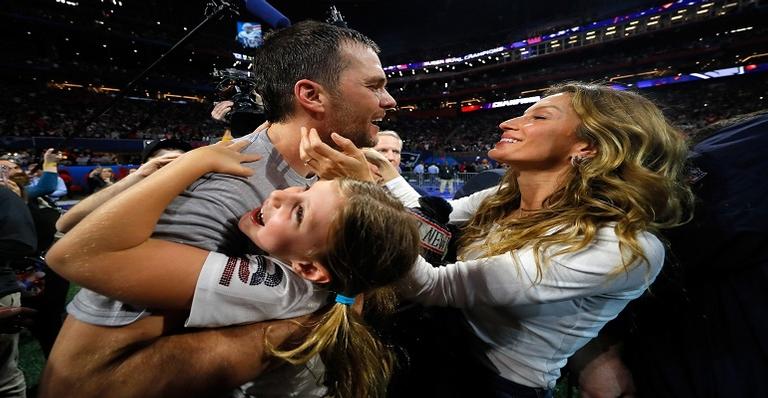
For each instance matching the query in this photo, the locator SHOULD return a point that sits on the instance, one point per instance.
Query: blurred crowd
(62, 113)
(690, 106)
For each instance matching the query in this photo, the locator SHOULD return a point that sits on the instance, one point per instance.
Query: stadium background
(456, 68)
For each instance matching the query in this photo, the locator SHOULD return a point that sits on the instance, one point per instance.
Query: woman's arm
(110, 250)
(463, 208)
(510, 279)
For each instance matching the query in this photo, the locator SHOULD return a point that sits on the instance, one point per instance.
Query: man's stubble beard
(342, 123)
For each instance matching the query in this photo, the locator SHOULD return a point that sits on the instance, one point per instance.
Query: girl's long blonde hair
(372, 243)
(634, 181)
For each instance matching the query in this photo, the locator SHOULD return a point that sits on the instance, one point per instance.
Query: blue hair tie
(342, 299)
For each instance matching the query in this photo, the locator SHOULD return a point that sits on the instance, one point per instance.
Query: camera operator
(221, 109)
(240, 106)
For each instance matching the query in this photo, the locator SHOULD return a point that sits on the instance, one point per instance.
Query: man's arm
(600, 368)
(137, 360)
(86, 206)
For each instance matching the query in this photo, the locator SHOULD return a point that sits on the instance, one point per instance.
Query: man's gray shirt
(205, 215)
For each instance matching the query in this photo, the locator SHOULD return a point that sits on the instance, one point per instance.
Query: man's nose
(387, 101)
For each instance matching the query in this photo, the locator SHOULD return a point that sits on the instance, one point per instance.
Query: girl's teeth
(509, 140)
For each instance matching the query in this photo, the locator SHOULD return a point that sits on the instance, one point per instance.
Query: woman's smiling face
(543, 138)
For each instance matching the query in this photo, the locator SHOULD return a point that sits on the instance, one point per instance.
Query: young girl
(339, 238)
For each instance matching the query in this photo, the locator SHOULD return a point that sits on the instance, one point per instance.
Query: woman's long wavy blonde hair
(635, 181)
(372, 242)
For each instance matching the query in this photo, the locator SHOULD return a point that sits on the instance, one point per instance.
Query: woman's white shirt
(527, 328)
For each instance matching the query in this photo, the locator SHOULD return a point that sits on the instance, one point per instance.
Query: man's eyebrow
(376, 80)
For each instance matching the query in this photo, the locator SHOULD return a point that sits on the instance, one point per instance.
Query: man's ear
(311, 271)
(310, 96)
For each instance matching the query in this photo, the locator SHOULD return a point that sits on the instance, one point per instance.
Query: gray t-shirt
(205, 215)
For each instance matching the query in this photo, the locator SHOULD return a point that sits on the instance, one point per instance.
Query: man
(166, 149)
(157, 148)
(100, 178)
(391, 146)
(310, 75)
(432, 170)
(446, 174)
(50, 301)
(47, 182)
(17, 239)
(419, 171)
(36, 173)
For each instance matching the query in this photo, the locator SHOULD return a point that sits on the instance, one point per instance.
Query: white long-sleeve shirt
(527, 329)
(236, 290)
(253, 288)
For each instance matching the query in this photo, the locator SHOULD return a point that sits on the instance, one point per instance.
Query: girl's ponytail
(372, 243)
(357, 364)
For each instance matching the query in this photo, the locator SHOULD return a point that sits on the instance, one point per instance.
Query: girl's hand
(225, 157)
(385, 170)
(155, 164)
(329, 163)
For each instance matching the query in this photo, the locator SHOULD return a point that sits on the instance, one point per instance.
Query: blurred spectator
(42, 289)
(83, 159)
(17, 239)
(433, 170)
(390, 145)
(159, 148)
(45, 185)
(57, 113)
(419, 171)
(447, 174)
(100, 178)
(61, 186)
(42, 112)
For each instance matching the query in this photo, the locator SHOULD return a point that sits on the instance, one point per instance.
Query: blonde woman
(565, 241)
